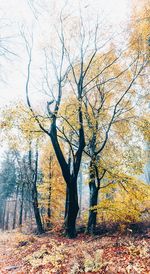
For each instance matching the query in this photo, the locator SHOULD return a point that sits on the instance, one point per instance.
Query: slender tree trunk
(30, 217)
(49, 207)
(2, 215)
(21, 214)
(15, 209)
(7, 220)
(49, 192)
(72, 210)
(40, 229)
(42, 216)
(34, 193)
(25, 213)
(21, 206)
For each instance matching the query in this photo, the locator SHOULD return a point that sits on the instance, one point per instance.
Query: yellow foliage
(52, 187)
(140, 25)
(144, 126)
(18, 126)
(128, 201)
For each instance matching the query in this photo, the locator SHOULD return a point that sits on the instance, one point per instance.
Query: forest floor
(50, 253)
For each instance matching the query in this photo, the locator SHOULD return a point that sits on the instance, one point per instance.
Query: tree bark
(15, 208)
(66, 202)
(80, 183)
(72, 209)
(21, 206)
(40, 229)
(33, 166)
(91, 227)
(2, 215)
(49, 208)
(7, 220)
(25, 213)
(49, 193)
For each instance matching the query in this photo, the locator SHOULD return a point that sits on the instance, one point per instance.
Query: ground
(50, 253)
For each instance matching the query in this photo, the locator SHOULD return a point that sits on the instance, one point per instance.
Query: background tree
(8, 187)
(51, 188)
(28, 168)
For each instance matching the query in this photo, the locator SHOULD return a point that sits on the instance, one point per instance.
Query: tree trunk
(25, 213)
(49, 208)
(91, 227)
(93, 200)
(21, 206)
(30, 217)
(15, 209)
(80, 183)
(2, 215)
(7, 220)
(71, 210)
(40, 229)
(66, 202)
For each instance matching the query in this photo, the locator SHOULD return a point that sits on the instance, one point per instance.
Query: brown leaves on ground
(22, 254)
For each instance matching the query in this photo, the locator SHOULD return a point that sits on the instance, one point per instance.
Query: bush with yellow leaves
(127, 202)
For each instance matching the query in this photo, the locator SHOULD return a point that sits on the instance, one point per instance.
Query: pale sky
(18, 13)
